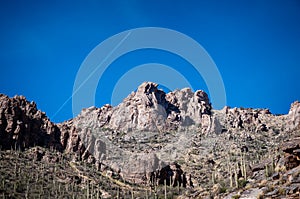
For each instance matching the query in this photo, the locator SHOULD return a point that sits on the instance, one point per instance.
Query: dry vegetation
(45, 173)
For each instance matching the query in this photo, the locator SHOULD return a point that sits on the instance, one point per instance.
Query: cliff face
(294, 116)
(23, 126)
(150, 109)
(151, 132)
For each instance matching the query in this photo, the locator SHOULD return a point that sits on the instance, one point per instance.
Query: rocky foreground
(152, 145)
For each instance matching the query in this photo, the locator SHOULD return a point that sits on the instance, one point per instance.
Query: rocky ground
(152, 145)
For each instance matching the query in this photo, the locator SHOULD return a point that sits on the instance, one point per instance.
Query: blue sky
(255, 45)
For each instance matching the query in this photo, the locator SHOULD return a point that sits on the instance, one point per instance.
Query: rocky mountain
(151, 109)
(175, 139)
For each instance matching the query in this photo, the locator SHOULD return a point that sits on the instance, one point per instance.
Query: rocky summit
(152, 145)
(151, 109)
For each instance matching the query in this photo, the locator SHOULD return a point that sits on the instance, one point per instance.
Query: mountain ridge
(152, 133)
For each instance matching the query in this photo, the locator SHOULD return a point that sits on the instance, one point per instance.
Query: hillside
(153, 144)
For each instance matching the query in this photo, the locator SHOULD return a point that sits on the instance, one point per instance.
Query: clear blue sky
(255, 45)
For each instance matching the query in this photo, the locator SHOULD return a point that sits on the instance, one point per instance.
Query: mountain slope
(153, 138)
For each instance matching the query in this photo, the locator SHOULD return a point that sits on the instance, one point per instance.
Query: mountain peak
(151, 109)
(147, 87)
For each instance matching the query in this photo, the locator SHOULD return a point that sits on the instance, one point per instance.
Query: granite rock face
(151, 109)
(22, 125)
(194, 108)
(294, 115)
(145, 110)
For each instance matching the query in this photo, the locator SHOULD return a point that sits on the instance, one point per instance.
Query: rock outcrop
(151, 109)
(22, 125)
(242, 118)
(294, 115)
(291, 158)
(145, 110)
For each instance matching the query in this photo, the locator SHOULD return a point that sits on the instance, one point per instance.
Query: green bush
(242, 183)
